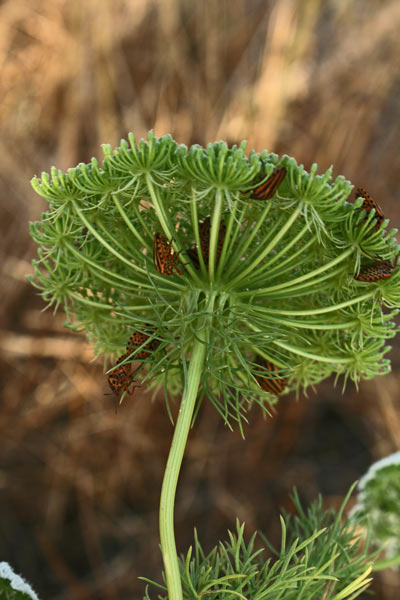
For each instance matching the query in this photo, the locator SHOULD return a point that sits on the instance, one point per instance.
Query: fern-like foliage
(321, 557)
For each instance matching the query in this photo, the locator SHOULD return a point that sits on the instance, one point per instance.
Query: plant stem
(292, 283)
(182, 427)
(260, 256)
(214, 233)
(314, 311)
(322, 358)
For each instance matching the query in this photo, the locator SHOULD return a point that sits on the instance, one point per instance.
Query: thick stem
(182, 427)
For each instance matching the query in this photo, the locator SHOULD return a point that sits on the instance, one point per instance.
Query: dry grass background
(79, 484)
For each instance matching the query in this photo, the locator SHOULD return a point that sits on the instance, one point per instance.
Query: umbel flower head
(250, 257)
(379, 503)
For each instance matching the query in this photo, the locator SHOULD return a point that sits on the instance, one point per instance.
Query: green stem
(300, 352)
(182, 427)
(288, 246)
(214, 233)
(304, 324)
(129, 223)
(104, 242)
(162, 213)
(260, 256)
(283, 267)
(195, 223)
(231, 236)
(111, 278)
(292, 283)
(167, 226)
(246, 238)
(314, 311)
(111, 307)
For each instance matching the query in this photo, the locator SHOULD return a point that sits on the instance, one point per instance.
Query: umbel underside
(288, 274)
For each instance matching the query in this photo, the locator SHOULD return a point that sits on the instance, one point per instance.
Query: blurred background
(80, 484)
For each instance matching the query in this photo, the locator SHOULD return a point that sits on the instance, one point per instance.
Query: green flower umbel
(265, 285)
(229, 277)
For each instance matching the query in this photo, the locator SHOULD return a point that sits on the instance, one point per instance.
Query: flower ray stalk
(247, 240)
(319, 357)
(96, 234)
(285, 266)
(130, 226)
(288, 247)
(166, 224)
(195, 223)
(214, 233)
(261, 255)
(292, 283)
(96, 267)
(315, 311)
(228, 241)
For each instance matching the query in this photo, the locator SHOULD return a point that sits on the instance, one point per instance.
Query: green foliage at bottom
(321, 556)
(7, 593)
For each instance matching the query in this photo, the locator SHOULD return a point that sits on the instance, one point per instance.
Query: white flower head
(16, 582)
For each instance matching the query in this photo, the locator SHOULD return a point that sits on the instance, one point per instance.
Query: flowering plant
(379, 505)
(229, 277)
